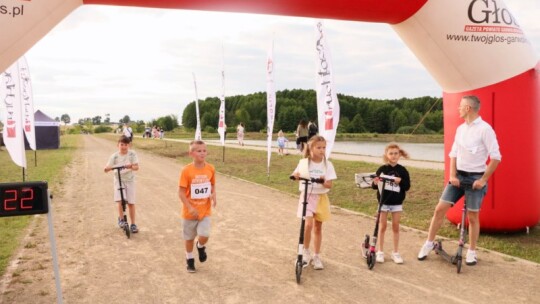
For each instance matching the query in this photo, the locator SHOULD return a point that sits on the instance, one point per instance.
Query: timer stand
(27, 198)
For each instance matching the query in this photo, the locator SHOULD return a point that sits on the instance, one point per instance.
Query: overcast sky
(139, 62)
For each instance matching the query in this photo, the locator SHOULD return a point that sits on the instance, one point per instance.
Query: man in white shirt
(475, 141)
(128, 132)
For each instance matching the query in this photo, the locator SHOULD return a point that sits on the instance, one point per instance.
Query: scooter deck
(440, 251)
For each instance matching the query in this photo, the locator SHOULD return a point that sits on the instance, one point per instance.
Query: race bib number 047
(200, 191)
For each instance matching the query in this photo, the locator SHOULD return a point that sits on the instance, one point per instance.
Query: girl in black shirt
(393, 196)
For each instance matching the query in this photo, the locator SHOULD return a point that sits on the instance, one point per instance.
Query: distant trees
(65, 119)
(422, 114)
(167, 123)
(96, 120)
(126, 119)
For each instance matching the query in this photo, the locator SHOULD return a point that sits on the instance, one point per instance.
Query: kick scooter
(299, 265)
(456, 259)
(368, 248)
(121, 189)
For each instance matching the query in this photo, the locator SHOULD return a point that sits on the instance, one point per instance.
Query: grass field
(421, 199)
(49, 168)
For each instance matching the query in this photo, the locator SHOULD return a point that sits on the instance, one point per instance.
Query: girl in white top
(315, 165)
(240, 134)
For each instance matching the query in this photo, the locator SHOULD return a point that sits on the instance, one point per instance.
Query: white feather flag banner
(27, 99)
(10, 94)
(270, 101)
(198, 135)
(221, 123)
(327, 101)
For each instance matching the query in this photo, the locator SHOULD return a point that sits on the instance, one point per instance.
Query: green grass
(421, 199)
(49, 168)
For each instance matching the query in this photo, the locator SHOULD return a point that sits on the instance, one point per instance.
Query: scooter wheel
(371, 260)
(299, 267)
(365, 247)
(127, 231)
(458, 259)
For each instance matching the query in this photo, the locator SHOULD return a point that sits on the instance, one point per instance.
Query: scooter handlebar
(466, 185)
(313, 180)
(118, 168)
(383, 177)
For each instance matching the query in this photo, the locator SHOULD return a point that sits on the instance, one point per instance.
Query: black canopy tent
(47, 132)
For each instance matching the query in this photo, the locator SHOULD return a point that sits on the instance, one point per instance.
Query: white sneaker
(380, 257)
(424, 251)
(306, 257)
(471, 258)
(397, 258)
(317, 263)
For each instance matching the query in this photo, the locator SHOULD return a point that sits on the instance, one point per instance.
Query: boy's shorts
(193, 228)
(129, 192)
(318, 207)
(474, 198)
(391, 208)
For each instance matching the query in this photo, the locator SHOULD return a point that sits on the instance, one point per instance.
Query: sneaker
(134, 228)
(471, 258)
(190, 265)
(379, 257)
(121, 223)
(396, 257)
(306, 257)
(426, 249)
(317, 262)
(202, 253)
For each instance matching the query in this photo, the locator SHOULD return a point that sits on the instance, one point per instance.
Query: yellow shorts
(318, 206)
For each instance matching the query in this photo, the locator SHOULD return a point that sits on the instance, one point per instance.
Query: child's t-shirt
(198, 183)
(118, 159)
(317, 170)
(281, 141)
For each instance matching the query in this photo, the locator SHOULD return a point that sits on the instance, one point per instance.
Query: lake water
(430, 152)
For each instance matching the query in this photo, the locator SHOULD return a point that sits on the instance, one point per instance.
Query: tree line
(423, 115)
(96, 125)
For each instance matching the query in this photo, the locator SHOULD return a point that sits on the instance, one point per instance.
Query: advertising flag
(27, 99)
(10, 94)
(270, 102)
(198, 129)
(327, 101)
(221, 123)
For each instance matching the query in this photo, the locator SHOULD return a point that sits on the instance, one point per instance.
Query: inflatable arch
(468, 46)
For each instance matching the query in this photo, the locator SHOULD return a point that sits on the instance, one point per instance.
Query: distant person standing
(302, 134)
(240, 133)
(312, 129)
(281, 140)
(128, 132)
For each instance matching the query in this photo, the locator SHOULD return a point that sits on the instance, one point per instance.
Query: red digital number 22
(8, 201)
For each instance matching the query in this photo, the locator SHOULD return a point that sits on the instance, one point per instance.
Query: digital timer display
(23, 198)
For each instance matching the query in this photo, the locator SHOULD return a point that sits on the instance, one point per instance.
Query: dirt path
(251, 251)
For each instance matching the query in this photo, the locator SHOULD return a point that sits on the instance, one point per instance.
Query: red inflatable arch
(469, 47)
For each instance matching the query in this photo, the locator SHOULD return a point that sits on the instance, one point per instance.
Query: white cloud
(139, 61)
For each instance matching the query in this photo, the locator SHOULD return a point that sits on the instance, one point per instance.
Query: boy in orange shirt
(198, 195)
